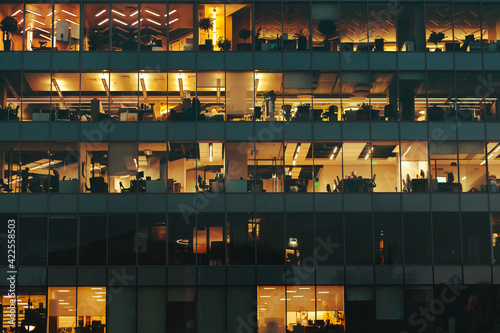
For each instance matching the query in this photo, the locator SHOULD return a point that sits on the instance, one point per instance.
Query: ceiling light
(38, 21)
(269, 288)
(153, 22)
(106, 20)
(43, 30)
(121, 22)
(171, 12)
(117, 12)
(144, 90)
(407, 151)
(100, 13)
(72, 22)
(32, 12)
(43, 36)
(21, 21)
(152, 13)
(211, 151)
(63, 291)
(137, 22)
(69, 13)
(18, 11)
(134, 13)
(173, 21)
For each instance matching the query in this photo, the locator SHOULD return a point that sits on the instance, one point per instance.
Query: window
(123, 242)
(92, 240)
(327, 166)
(38, 28)
(446, 237)
(96, 27)
(359, 238)
(299, 168)
(239, 26)
(354, 27)
(472, 169)
(124, 35)
(212, 19)
(67, 26)
(243, 233)
(417, 238)
(62, 240)
(414, 166)
(270, 228)
(151, 239)
(180, 27)
(299, 307)
(325, 23)
(296, 26)
(443, 161)
(388, 239)
(94, 159)
(32, 240)
(300, 239)
(15, 42)
(240, 95)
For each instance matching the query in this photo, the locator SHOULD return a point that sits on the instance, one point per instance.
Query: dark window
(359, 238)
(270, 239)
(242, 235)
(388, 239)
(417, 238)
(62, 240)
(447, 247)
(329, 239)
(121, 244)
(151, 239)
(92, 240)
(32, 244)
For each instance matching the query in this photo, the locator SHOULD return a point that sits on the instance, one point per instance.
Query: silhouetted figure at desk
(24, 180)
(202, 185)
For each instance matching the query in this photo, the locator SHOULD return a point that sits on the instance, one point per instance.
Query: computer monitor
(441, 179)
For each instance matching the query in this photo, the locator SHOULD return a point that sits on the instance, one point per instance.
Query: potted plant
(94, 38)
(206, 24)
(244, 34)
(301, 40)
(327, 29)
(224, 44)
(9, 26)
(436, 37)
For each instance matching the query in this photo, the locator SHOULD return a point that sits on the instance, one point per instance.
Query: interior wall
(177, 171)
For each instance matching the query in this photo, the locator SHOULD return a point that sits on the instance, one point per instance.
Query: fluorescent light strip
(173, 11)
(69, 13)
(32, 12)
(21, 21)
(106, 20)
(18, 11)
(117, 12)
(121, 22)
(43, 36)
(43, 30)
(173, 21)
(100, 13)
(134, 13)
(153, 22)
(50, 14)
(152, 13)
(38, 21)
(72, 22)
(137, 22)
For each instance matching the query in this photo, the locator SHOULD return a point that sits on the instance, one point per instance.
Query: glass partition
(443, 162)
(354, 27)
(414, 166)
(326, 95)
(325, 26)
(439, 27)
(240, 96)
(124, 33)
(67, 26)
(96, 27)
(299, 167)
(296, 26)
(472, 169)
(239, 27)
(152, 20)
(180, 27)
(38, 30)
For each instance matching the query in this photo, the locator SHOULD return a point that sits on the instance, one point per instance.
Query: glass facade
(250, 166)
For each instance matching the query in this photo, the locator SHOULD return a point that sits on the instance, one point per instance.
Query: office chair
(4, 186)
(123, 189)
(202, 184)
(372, 181)
(328, 188)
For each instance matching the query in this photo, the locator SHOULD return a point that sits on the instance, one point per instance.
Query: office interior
(241, 167)
(298, 26)
(304, 96)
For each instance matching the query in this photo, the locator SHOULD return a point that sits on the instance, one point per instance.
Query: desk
(68, 186)
(419, 185)
(155, 186)
(353, 185)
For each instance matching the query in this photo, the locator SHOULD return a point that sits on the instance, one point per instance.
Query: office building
(251, 166)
